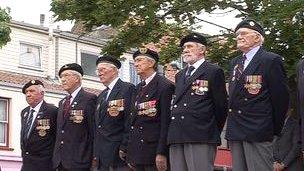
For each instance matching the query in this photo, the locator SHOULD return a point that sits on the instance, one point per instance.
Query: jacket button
(239, 111)
(246, 99)
(185, 104)
(172, 117)
(61, 142)
(192, 94)
(142, 140)
(62, 131)
(230, 110)
(27, 153)
(132, 127)
(182, 117)
(99, 126)
(141, 127)
(175, 106)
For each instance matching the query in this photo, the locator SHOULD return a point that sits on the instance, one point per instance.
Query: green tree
(147, 21)
(4, 26)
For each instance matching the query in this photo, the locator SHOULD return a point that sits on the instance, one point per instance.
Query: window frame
(34, 67)
(90, 77)
(5, 145)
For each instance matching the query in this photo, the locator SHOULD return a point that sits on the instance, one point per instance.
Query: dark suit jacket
(300, 96)
(287, 148)
(111, 130)
(197, 116)
(148, 133)
(74, 139)
(256, 116)
(37, 150)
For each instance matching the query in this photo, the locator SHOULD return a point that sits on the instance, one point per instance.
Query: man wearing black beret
(147, 148)
(258, 100)
(111, 117)
(38, 129)
(199, 109)
(75, 123)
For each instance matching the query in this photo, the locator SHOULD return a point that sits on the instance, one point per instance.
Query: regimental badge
(200, 87)
(147, 108)
(251, 23)
(76, 116)
(115, 106)
(253, 84)
(33, 81)
(42, 126)
(143, 50)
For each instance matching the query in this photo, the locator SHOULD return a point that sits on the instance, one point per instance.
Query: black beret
(146, 52)
(72, 66)
(193, 37)
(30, 83)
(250, 24)
(108, 59)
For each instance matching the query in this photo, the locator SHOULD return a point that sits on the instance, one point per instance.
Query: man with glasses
(199, 109)
(75, 123)
(111, 117)
(258, 100)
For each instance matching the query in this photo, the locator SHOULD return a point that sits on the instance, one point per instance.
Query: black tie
(105, 93)
(240, 67)
(29, 123)
(189, 70)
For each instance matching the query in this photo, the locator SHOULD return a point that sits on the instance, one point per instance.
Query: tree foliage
(142, 22)
(4, 27)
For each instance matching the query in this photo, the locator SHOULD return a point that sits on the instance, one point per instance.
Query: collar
(197, 64)
(112, 84)
(37, 107)
(74, 94)
(251, 53)
(148, 80)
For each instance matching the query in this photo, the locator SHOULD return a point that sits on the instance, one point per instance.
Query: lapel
(102, 111)
(183, 85)
(38, 116)
(249, 70)
(24, 116)
(145, 94)
(74, 104)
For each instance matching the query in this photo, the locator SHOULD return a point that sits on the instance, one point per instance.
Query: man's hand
(122, 155)
(161, 162)
(94, 163)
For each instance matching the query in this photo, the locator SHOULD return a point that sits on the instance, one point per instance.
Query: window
(30, 55)
(88, 63)
(134, 78)
(3, 122)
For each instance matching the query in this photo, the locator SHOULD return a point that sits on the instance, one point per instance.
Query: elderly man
(38, 129)
(147, 148)
(111, 116)
(75, 124)
(258, 100)
(198, 109)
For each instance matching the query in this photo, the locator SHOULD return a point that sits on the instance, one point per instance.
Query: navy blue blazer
(149, 121)
(259, 100)
(199, 106)
(75, 132)
(37, 150)
(111, 124)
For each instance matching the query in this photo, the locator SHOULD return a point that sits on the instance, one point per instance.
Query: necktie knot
(189, 71)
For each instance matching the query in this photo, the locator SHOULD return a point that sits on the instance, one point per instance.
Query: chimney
(42, 18)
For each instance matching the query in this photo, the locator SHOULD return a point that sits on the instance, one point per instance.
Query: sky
(29, 11)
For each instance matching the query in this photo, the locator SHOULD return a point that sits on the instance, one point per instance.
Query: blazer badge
(147, 108)
(76, 116)
(42, 126)
(115, 106)
(253, 84)
(200, 87)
